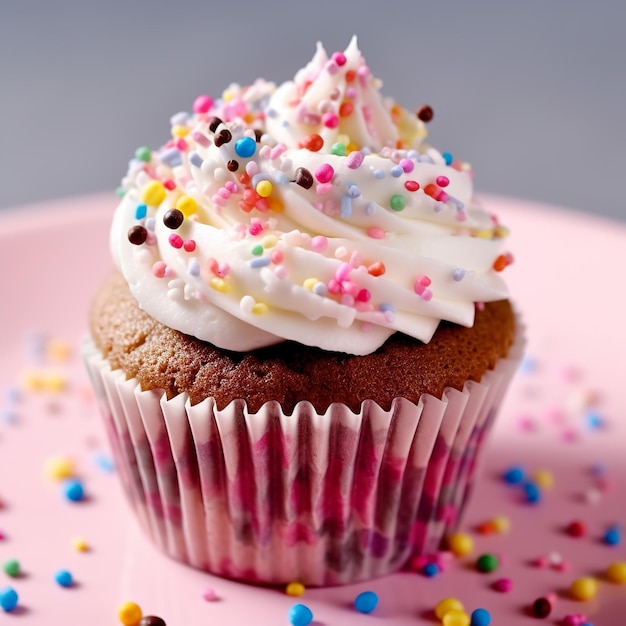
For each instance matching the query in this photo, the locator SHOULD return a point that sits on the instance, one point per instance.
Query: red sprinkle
(176, 241)
(576, 529)
(411, 185)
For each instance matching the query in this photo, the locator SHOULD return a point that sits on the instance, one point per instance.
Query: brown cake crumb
(162, 358)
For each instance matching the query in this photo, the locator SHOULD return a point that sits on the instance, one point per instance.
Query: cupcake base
(323, 499)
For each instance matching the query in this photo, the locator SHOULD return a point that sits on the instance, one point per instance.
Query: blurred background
(532, 93)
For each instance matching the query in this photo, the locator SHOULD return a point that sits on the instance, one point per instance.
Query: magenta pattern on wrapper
(271, 498)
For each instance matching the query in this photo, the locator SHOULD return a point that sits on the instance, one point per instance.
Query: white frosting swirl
(332, 225)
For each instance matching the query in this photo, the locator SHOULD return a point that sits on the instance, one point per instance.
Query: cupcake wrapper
(270, 498)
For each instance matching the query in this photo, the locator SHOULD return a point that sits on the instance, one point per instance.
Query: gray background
(532, 93)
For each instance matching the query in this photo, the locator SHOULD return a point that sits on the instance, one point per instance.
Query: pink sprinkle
(503, 585)
(324, 173)
(330, 120)
(427, 295)
(231, 186)
(176, 241)
(264, 152)
(407, 165)
(319, 243)
(541, 562)
(363, 296)
(181, 144)
(355, 159)
(346, 299)
(363, 73)
(201, 139)
(255, 228)
(339, 58)
(333, 286)
(276, 256)
(158, 269)
(343, 271)
(323, 188)
(219, 200)
(375, 233)
(424, 280)
(252, 168)
(189, 245)
(563, 566)
(280, 271)
(2, 536)
(223, 193)
(209, 594)
(418, 288)
(277, 150)
(150, 239)
(223, 269)
(332, 68)
(443, 181)
(202, 104)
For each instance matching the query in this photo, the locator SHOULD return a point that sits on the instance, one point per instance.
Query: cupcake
(306, 337)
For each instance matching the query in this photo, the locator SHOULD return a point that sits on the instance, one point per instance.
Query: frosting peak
(311, 212)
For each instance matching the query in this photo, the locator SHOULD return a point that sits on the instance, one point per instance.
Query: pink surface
(566, 280)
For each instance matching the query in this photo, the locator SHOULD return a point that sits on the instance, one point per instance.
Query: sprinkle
(300, 615)
(346, 206)
(219, 284)
(195, 159)
(576, 529)
(541, 607)
(259, 262)
(397, 202)
(173, 218)
(208, 594)
(425, 113)
(153, 193)
(447, 605)
(152, 620)
(616, 573)
(442, 181)
(80, 545)
(366, 602)
(159, 269)
(11, 568)
(294, 589)
(514, 475)
(330, 120)
(480, 617)
(129, 614)
(456, 618)
(313, 142)
(224, 136)
(202, 104)
(375, 232)
(532, 493)
(140, 211)
(503, 585)
(447, 157)
(396, 171)
(411, 185)
(613, 536)
(304, 178)
(324, 173)
(379, 174)
(460, 544)
(171, 157)
(264, 188)
(64, 578)
(189, 245)
(8, 598)
(319, 243)
(376, 269)
(245, 147)
(176, 241)
(487, 563)
(355, 159)
(186, 205)
(583, 589)
(430, 570)
(143, 153)
(59, 467)
(73, 490)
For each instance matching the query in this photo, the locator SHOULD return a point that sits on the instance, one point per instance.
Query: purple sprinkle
(396, 171)
(346, 206)
(260, 262)
(458, 274)
(195, 159)
(171, 157)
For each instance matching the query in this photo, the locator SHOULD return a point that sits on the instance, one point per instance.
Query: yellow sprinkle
(544, 479)
(484, 234)
(32, 380)
(501, 524)
(448, 604)
(343, 138)
(179, 131)
(227, 95)
(264, 188)
(276, 205)
(153, 193)
(58, 350)
(269, 242)
(59, 467)
(309, 283)
(219, 284)
(259, 308)
(54, 381)
(456, 617)
(616, 572)
(351, 147)
(583, 589)
(248, 117)
(80, 545)
(129, 614)
(186, 205)
(460, 544)
(294, 589)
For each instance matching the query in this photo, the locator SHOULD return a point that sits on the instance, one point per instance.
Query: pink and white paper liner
(270, 498)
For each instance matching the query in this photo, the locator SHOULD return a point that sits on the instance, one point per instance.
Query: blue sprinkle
(598, 469)
(354, 191)
(104, 462)
(150, 223)
(481, 617)
(300, 615)
(280, 178)
(412, 154)
(8, 598)
(194, 267)
(366, 602)
(379, 174)
(8, 416)
(245, 147)
(447, 157)
(594, 420)
(257, 178)
(320, 289)
(12, 394)
(370, 208)
(141, 211)
(64, 578)
(458, 274)
(73, 490)
(396, 171)
(613, 536)
(261, 261)
(171, 157)
(424, 158)
(179, 119)
(430, 570)
(532, 493)
(195, 159)
(528, 365)
(385, 307)
(346, 206)
(514, 475)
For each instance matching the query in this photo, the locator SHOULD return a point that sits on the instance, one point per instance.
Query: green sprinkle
(339, 149)
(143, 153)
(120, 192)
(397, 202)
(257, 250)
(487, 563)
(11, 568)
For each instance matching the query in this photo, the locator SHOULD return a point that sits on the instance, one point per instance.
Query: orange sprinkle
(350, 76)
(313, 142)
(500, 263)
(376, 269)
(346, 109)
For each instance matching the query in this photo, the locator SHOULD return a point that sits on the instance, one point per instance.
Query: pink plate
(565, 415)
